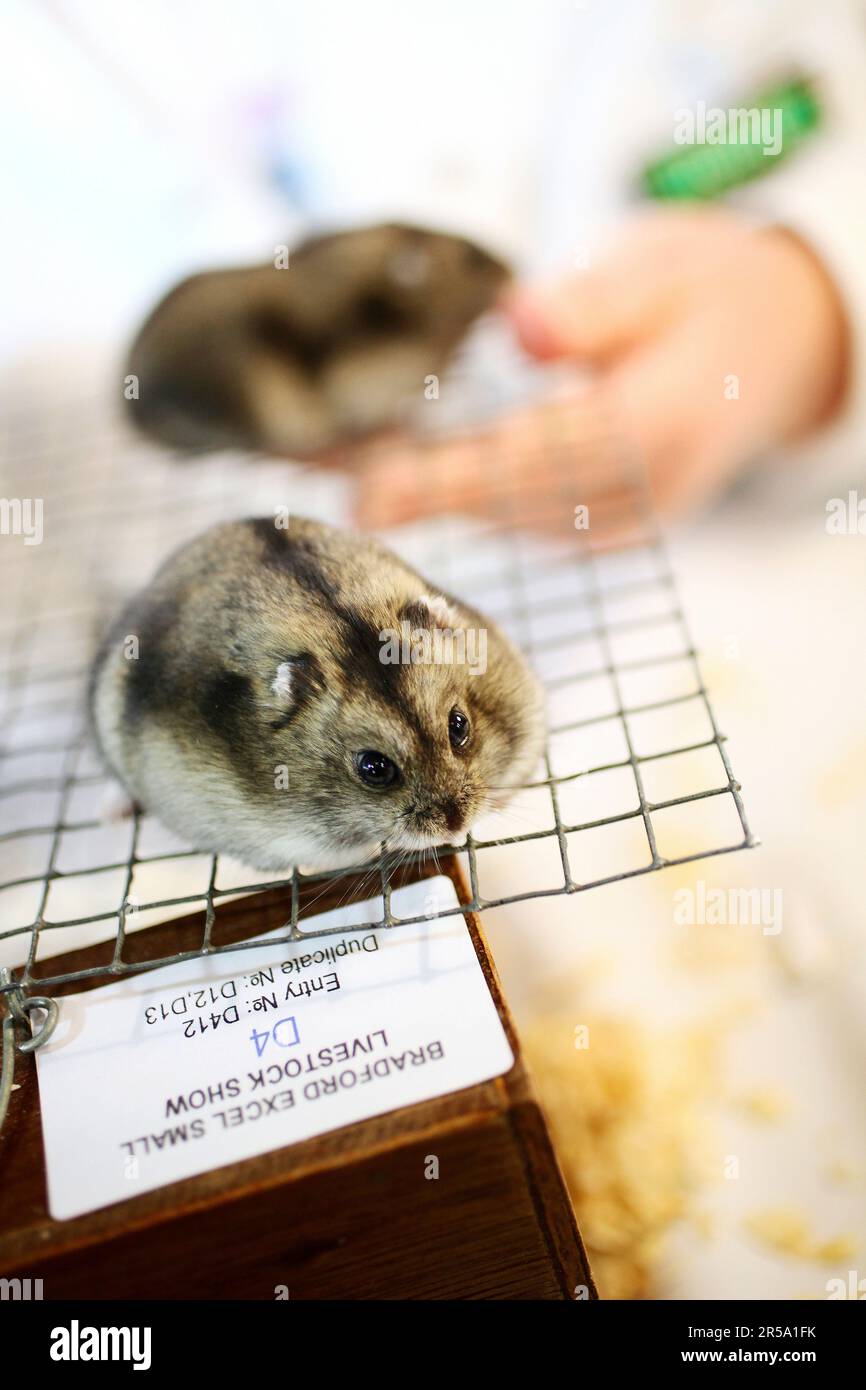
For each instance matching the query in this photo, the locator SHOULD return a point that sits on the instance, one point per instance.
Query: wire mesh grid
(634, 761)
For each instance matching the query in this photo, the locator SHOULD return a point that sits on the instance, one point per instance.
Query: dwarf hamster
(292, 695)
(295, 360)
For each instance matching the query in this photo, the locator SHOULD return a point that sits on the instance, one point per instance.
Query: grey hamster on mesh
(293, 361)
(253, 713)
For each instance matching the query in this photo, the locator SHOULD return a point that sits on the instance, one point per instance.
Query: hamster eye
(458, 728)
(375, 769)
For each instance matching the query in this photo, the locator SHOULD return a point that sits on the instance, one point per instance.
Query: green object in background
(714, 157)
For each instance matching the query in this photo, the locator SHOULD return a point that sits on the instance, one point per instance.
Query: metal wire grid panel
(635, 758)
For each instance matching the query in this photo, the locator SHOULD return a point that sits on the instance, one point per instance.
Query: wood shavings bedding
(626, 1112)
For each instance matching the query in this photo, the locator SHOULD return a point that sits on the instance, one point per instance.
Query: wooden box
(347, 1215)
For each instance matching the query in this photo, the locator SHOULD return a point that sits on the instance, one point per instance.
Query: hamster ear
(433, 610)
(281, 685)
(294, 681)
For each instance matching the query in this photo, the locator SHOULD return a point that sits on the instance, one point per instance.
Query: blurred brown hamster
(295, 360)
(278, 695)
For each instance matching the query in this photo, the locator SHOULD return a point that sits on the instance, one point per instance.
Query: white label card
(192, 1066)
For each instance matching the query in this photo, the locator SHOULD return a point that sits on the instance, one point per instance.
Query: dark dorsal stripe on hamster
(276, 331)
(374, 315)
(297, 557)
(227, 707)
(377, 313)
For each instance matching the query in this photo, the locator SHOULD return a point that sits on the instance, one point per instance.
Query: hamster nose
(453, 815)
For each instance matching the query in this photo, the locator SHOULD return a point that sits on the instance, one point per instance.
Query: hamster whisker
(523, 786)
(311, 902)
(328, 885)
(363, 888)
(490, 809)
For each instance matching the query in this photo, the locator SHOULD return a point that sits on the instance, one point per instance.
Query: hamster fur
(239, 714)
(295, 360)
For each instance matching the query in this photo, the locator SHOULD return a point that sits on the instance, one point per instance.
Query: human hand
(710, 341)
